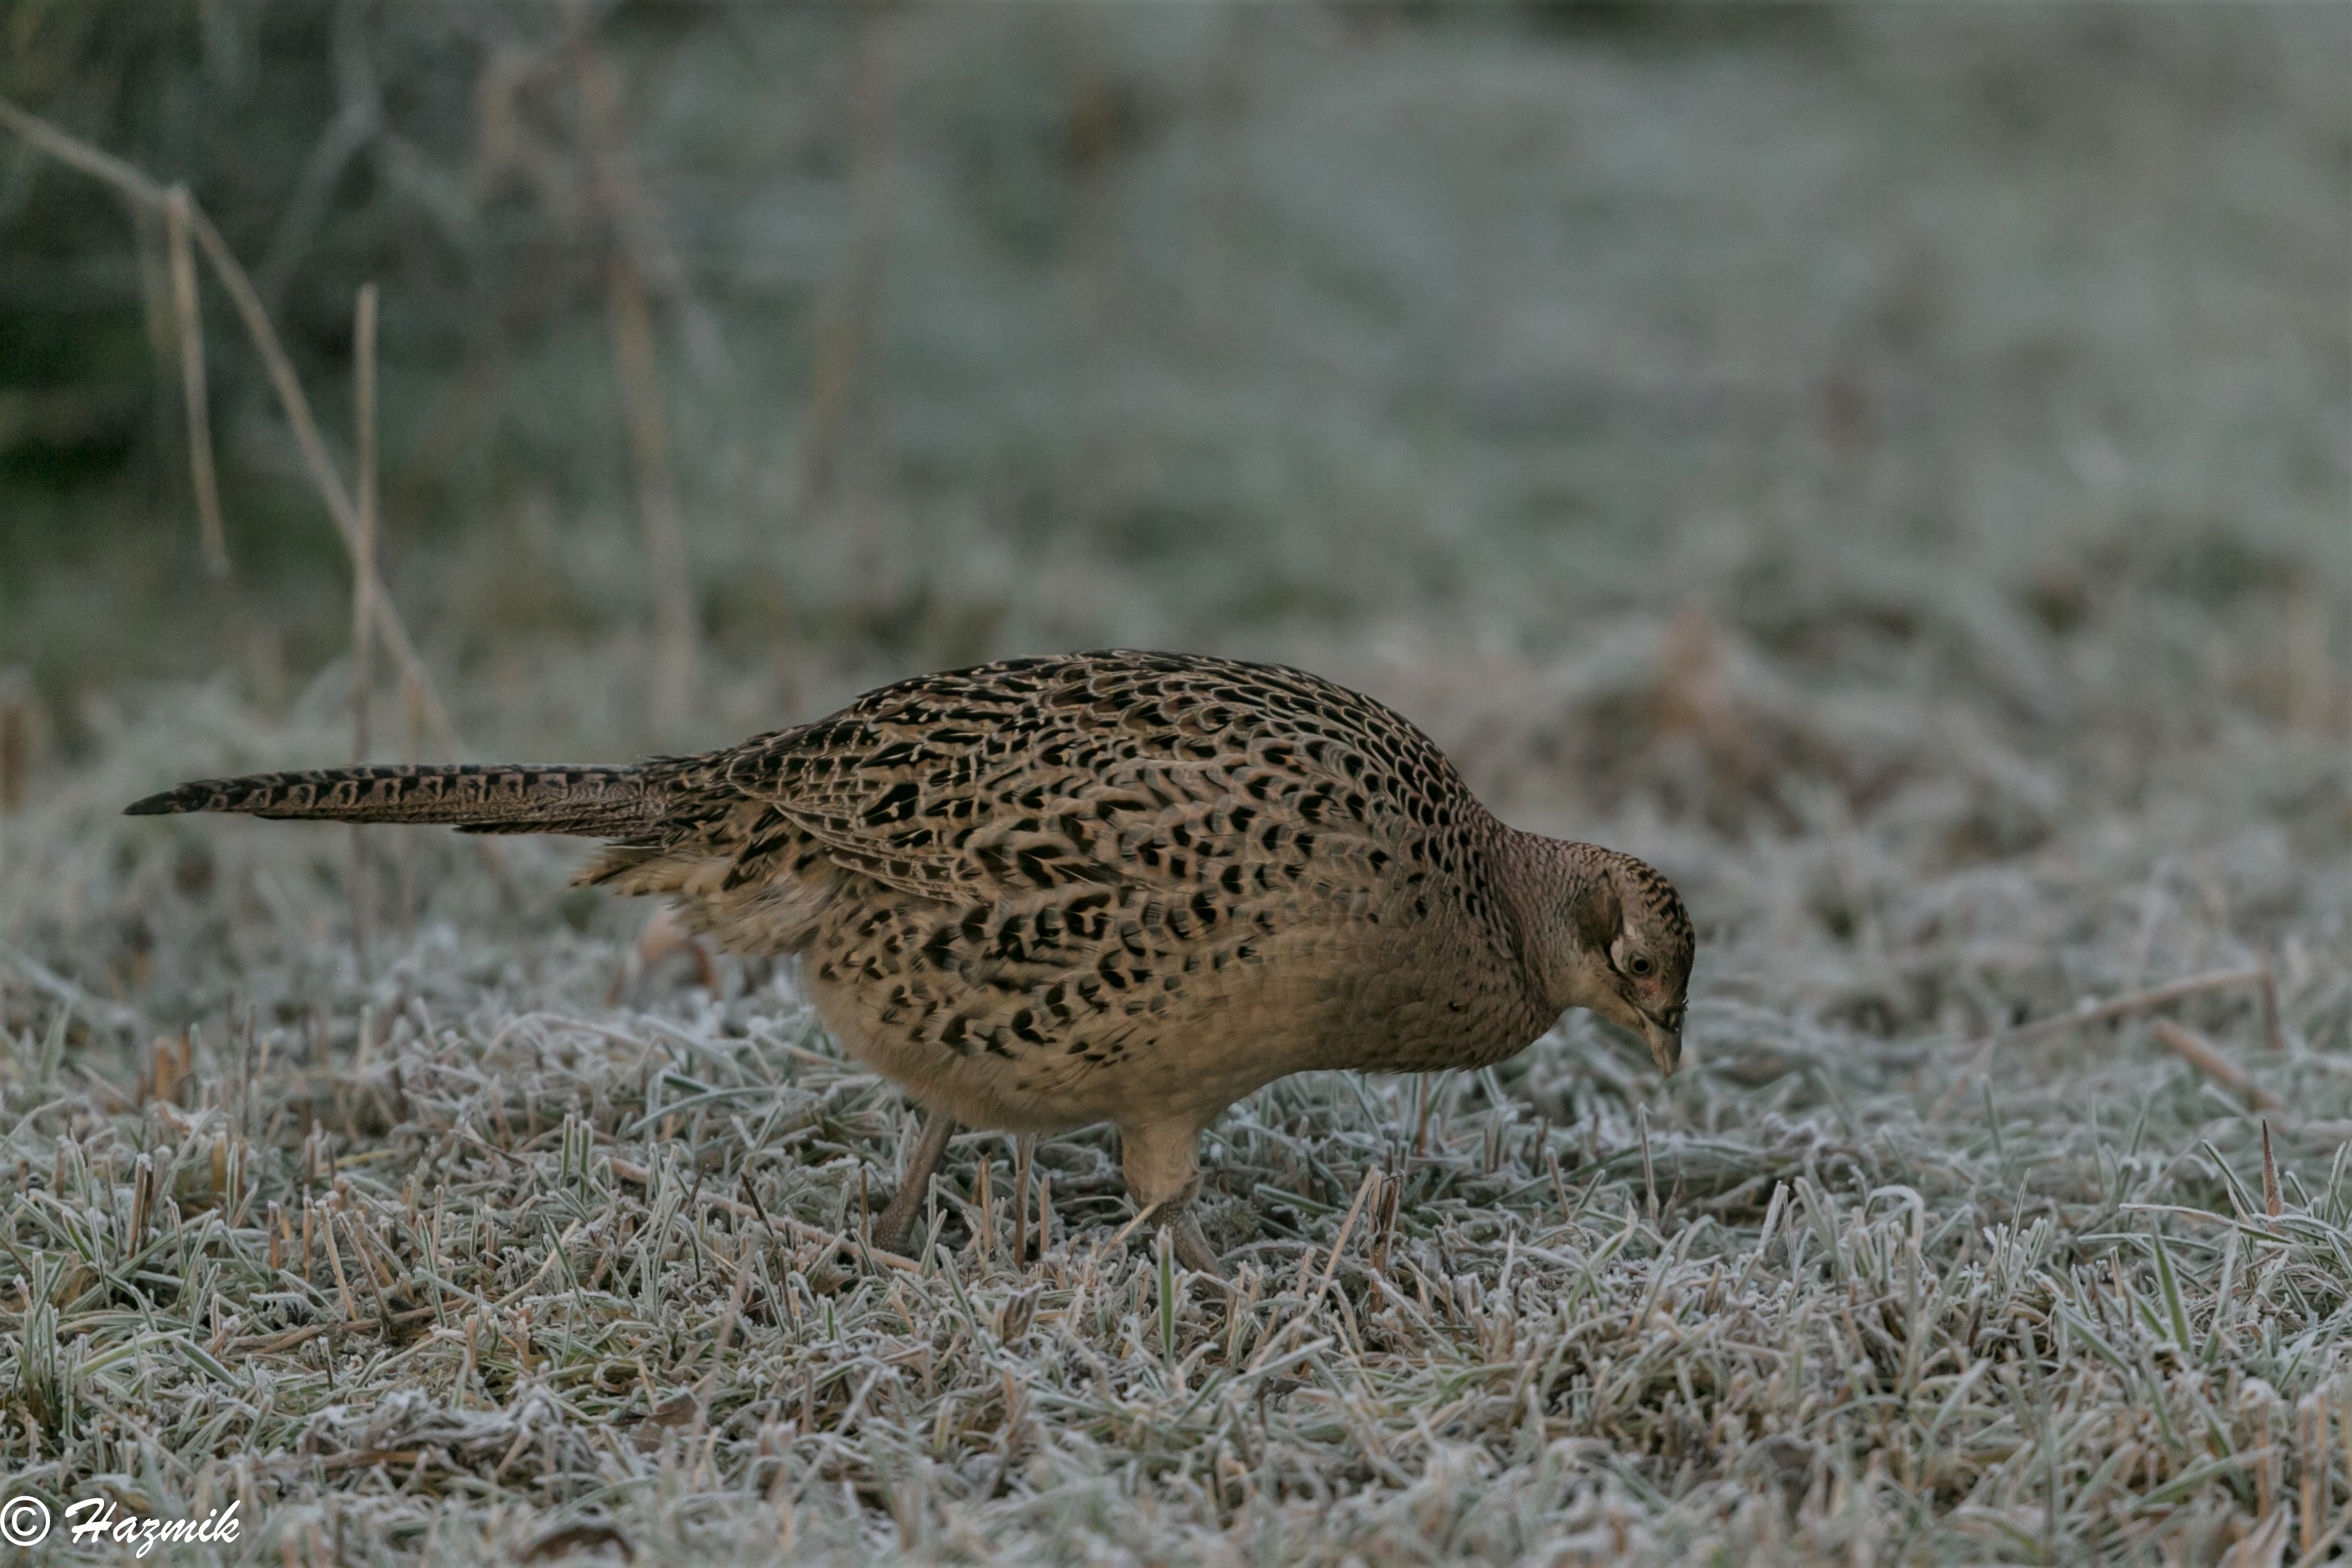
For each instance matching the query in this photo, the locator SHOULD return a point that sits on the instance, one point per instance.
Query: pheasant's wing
(1134, 770)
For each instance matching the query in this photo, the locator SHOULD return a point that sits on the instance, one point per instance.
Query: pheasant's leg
(1163, 1173)
(890, 1230)
(1192, 1248)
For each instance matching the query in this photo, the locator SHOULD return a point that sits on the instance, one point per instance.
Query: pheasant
(1118, 886)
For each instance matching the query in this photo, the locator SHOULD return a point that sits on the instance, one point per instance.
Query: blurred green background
(1912, 345)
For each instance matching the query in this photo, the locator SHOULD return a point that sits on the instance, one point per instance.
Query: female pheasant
(1116, 886)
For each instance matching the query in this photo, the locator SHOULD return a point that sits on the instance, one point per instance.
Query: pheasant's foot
(889, 1233)
(1193, 1247)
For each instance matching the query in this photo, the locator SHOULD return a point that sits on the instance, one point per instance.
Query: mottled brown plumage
(1116, 886)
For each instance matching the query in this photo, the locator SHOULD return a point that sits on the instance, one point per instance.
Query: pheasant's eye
(1638, 964)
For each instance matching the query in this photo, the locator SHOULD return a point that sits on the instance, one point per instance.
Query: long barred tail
(477, 798)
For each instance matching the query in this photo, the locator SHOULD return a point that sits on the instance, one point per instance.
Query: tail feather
(475, 798)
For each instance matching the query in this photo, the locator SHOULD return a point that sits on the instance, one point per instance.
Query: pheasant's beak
(1666, 1045)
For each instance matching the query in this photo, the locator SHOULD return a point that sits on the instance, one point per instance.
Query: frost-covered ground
(1892, 476)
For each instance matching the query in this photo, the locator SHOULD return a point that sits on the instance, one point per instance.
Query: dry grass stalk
(984, 1193)
(637, 364)
(1135, 1223)
(335, 1261)
(2274, 1031)
(1648, 1172)
(2209, 1060)
(412, 712)
(2263, 1547)
(2272, 1204)
(364, 591)
(2312, 704)
(838, 368)
(23, 733)
(1384, 1217)
(2312, 1414)
(194, 393)
(2125, 1007)
(2316, 1555)
(234, 281)
(1024, 1156)
(2100, 1012)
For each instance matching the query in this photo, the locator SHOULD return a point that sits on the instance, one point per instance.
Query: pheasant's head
(1606, 931)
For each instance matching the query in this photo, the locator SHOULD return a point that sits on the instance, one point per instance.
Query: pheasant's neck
(1559, 899)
